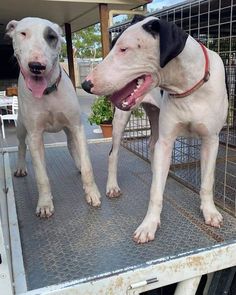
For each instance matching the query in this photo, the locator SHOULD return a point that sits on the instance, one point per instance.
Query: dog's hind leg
(21, 165)
(72, 149)
(209, 151)
(80, 151)
(119, 122)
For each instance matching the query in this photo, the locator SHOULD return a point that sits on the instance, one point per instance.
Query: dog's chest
(191, 118)
(53, 121)
(192, 129)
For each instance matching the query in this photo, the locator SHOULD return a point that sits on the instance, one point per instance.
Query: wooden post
(70, 53)
(104, 17)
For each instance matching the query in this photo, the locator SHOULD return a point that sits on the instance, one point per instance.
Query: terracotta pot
(106, 130)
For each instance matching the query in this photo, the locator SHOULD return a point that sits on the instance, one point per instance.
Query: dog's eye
(23, 34)
(123, 49)
(52, 37)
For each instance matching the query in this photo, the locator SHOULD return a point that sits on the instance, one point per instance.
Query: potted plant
(102, 114)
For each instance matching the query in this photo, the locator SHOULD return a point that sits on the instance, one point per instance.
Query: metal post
(70, 53)
(188, 287)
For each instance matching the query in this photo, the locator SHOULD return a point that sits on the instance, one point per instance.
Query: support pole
(188, 287)
(70, 53)
(104, 18)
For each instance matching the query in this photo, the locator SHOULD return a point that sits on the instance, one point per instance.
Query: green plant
(101, 111)
(138, 112)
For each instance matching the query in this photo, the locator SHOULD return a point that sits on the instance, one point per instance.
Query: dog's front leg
(160, 167)
(209, 151)
(80, 149)
(119, 122)
(45, 206)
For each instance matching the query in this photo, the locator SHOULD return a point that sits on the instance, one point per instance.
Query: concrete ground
(92, 132)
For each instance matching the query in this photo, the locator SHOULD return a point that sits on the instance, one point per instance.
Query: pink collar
(199, 83)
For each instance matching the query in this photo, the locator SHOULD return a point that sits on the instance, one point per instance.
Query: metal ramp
(90, 247)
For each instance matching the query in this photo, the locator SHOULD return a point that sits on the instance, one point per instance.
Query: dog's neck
(56, 72)
(189, 68)
(53, 86)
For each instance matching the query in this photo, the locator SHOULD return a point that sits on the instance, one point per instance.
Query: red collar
(199, 83)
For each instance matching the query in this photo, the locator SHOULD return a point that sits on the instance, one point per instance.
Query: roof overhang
(79, 14)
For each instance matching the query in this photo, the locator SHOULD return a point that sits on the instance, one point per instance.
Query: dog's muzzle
(36, 67)
(87, 85)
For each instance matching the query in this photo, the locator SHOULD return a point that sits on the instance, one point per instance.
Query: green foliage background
(87, 43)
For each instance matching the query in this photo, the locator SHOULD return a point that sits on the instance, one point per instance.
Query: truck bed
(82, 244)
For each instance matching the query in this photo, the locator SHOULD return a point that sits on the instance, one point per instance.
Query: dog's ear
(172, 39)
(10, 28)
(137, 18)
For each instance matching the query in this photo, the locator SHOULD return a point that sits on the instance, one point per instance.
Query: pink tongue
(37, 85)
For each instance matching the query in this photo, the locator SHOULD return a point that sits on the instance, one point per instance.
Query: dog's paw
(145, 232)
(212, 216)
(113, 191)
(20, 172)
(45, 209)
(93, 197)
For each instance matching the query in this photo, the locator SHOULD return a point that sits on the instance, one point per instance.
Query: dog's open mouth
(37, 84)
(127, 97)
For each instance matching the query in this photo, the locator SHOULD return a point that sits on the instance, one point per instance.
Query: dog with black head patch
(154, 53)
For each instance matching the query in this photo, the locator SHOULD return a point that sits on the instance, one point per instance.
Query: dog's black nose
(87, 85)
(36, 67)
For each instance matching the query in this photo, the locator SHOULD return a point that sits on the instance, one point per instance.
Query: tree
(88, 42)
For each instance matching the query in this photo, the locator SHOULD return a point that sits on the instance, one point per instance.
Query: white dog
(155, 53)
(47, 102)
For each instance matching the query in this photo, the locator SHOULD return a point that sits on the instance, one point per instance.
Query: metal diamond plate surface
(80, 242)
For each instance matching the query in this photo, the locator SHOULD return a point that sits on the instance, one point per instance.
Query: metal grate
(213, 22)
(56, 251)
(136, 135)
